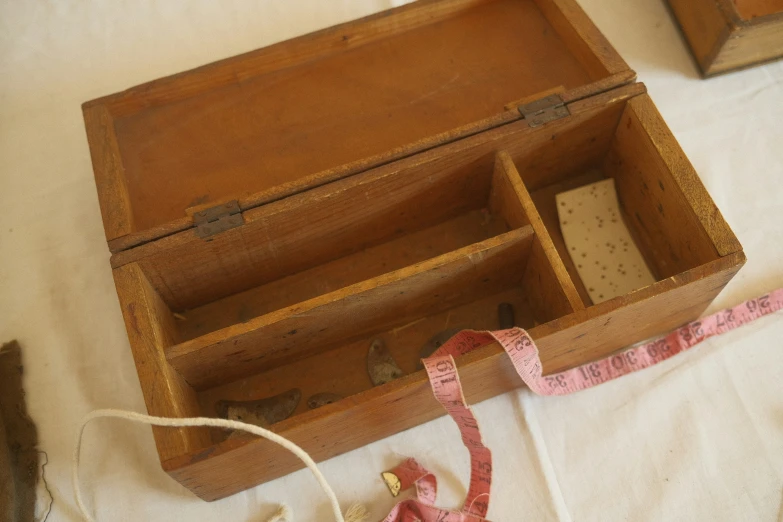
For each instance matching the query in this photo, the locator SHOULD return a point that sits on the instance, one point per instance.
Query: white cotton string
(354, 514)
(283, 515)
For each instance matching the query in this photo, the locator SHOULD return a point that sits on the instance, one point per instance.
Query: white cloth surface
(698, 437)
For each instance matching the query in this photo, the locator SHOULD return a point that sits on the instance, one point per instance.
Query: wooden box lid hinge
(544, 110)
(217, 219)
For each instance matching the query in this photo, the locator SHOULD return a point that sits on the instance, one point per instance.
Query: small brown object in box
(271, 214)
(725, 35)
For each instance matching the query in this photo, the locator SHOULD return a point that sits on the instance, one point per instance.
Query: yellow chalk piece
(392, 481)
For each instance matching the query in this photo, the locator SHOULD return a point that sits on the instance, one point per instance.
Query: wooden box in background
(725, 35)
(271, 214)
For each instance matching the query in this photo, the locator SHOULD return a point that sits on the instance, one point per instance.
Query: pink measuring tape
(442, 372)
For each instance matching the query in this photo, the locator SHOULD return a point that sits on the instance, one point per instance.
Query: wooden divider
(397, 253)
(510, 198)
(356, 311)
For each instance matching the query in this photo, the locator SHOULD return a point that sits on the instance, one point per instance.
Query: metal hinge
(218, 219)
(544, 110)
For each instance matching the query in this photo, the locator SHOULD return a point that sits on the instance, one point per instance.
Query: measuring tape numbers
(444, 379)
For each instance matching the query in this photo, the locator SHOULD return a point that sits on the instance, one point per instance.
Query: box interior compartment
(401, 252)
(522, 190)
(750, 9)
(362, 255)
(519, 267)
(661, 221)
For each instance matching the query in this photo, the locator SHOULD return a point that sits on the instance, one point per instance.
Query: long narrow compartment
(658, 215)
(390, 300)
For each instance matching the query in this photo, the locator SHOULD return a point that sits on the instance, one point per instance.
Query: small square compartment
(658, 214)
(727, 35)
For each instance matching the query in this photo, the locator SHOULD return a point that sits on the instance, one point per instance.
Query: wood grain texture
(750, 9)
(726, 35)
(569, 149)
(582, 38)
(452, 178)
(598, 331)
(750, 43)
(395, 254)
(219, 132)
(565, 15)
(705, 26)
(552, 292)
(642, 314)
(237, 140)
(514, 105)
(151, 328)
(282, 55)
(110, 179)
(170, 228)
(343, 370)
(678, 224)
(345, 217)
(359, 310)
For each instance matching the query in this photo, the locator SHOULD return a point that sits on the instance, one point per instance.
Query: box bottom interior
(343, 370)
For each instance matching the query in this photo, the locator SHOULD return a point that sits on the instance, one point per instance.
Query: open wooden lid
(307, 111)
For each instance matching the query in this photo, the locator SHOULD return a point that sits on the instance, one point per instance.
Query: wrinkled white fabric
(699, 437)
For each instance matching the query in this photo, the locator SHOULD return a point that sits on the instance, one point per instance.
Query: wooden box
(271, 214)
(725, 35)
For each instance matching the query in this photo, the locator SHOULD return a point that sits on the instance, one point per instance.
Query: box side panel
(754, 10)
(405, 403)
(150, 328)
(649, 153)
(648, 312)
(583, 39)
(673, 219)
(705, 26)
(750, 44)
(110, 179)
